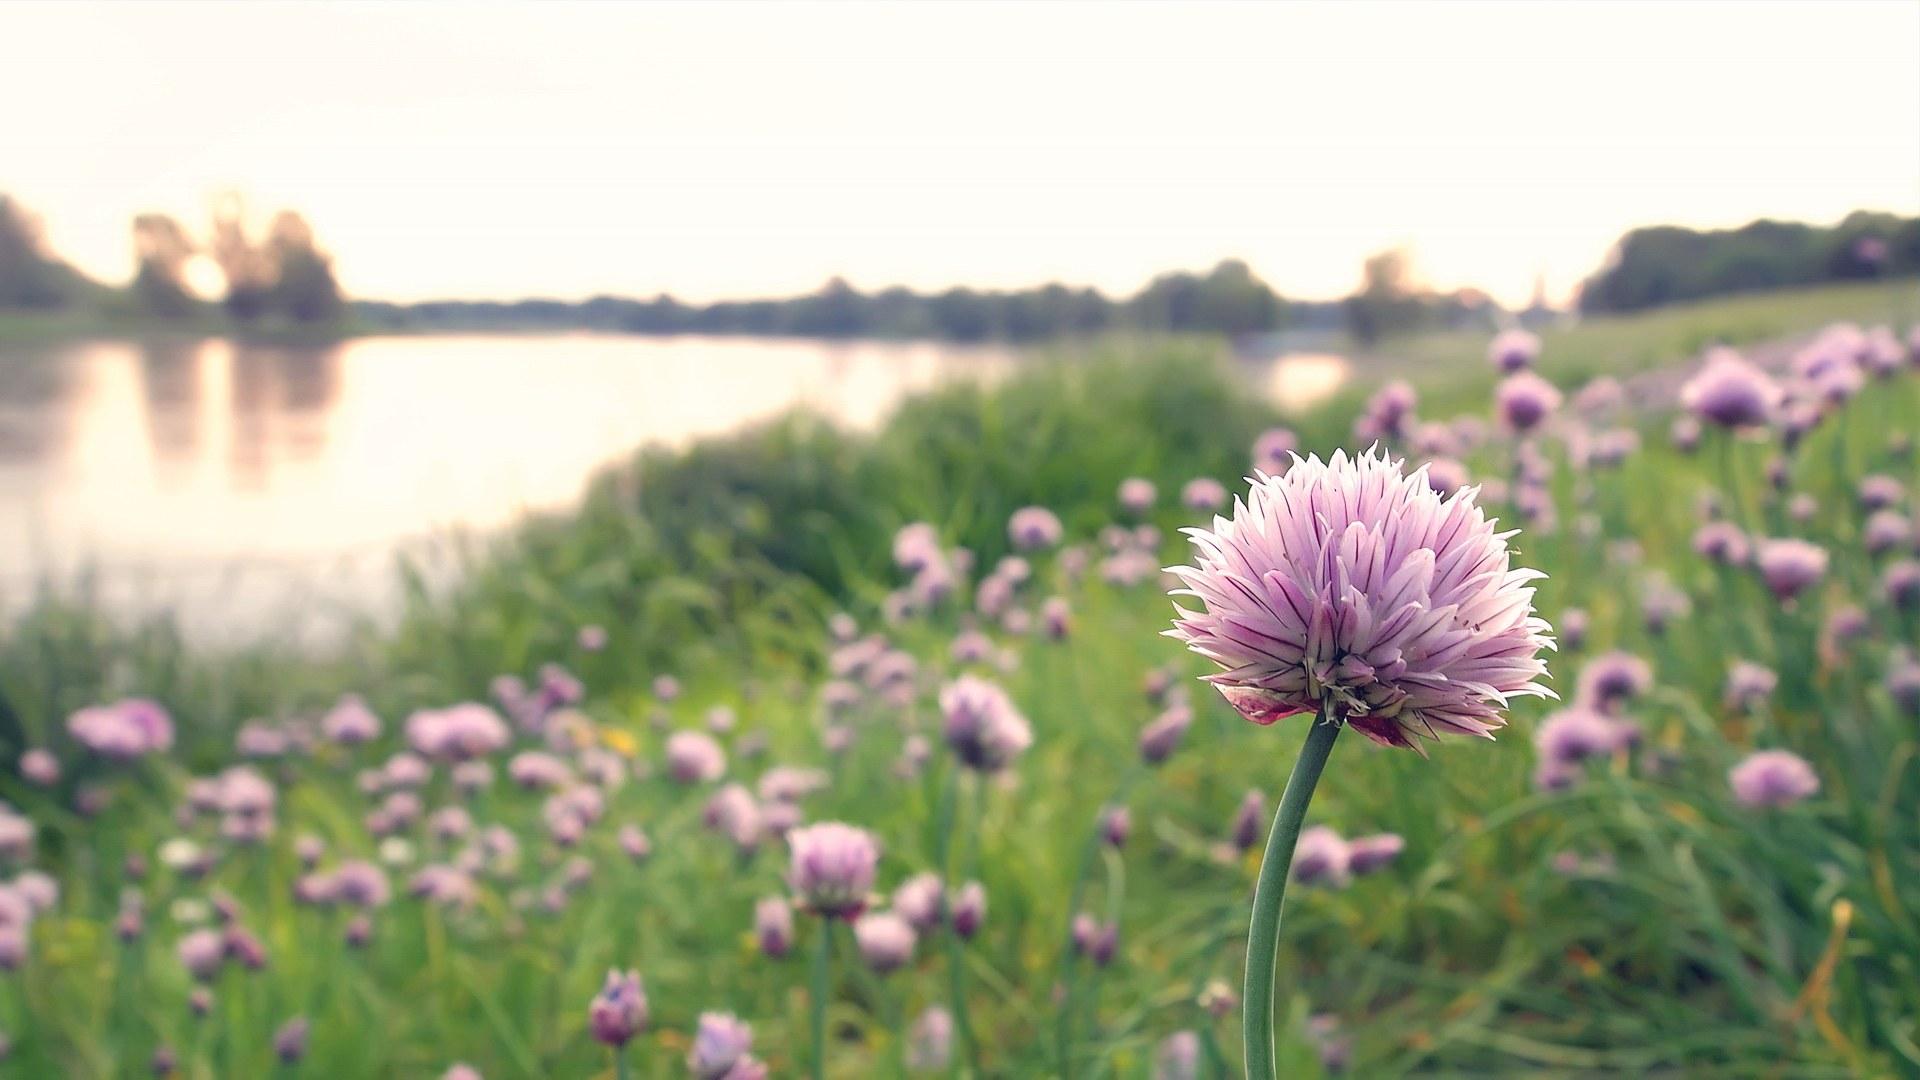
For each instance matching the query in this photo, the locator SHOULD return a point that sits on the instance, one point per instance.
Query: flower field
(812, 753)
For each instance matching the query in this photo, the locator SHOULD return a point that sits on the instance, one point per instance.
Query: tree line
(278, 277)
(1667, 264)
(283, 277)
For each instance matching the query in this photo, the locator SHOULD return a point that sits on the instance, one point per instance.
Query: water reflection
(216, 476)
(239, 484)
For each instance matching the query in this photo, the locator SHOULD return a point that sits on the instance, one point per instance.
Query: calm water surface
(248, 487)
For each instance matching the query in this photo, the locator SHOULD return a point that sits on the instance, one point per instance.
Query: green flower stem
(620, 1063)
(1064, 974)
(1263, 939)
(822, 966)
(950, 880)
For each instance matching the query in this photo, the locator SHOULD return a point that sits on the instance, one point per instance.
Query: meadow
(585, 757)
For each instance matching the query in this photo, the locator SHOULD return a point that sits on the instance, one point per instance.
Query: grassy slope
(1471, 954)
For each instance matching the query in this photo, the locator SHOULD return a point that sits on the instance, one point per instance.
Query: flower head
(1321, 858)
(1365, 854)
(930, 1043)
(1773, 778)
(969, 909)
(1514, 350)
(1273, 450)
(1353, 587)
(1789, 567)
(885, 939)
(1525, 400)
(1203, 493)
(721, 1043)
(123, 730)
(832, 867)
(619, 1011)
(694, 757)
(1033, 527)
(1730, 392)
(982, 725)
(1137, 494)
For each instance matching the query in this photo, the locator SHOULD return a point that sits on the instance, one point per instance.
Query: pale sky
(729, 150)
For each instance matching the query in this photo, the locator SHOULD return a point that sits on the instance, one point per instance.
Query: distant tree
(30, 277)
(161, 250)
(1387, 302)
(287, 275)
(1667, 264)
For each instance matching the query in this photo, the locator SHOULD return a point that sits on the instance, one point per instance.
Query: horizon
(572, 152)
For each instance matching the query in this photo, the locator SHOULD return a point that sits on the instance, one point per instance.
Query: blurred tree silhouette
(161, 250)
(1666, 264)
(286, 276)
(30, 277)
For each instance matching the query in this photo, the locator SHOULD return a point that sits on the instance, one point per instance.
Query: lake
(252, 486)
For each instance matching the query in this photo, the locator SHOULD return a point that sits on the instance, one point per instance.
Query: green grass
(1715, 941)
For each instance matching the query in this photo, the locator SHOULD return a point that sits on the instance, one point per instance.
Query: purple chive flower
(124, 730)
(1116, 825)
(1094, 939)
(361, 884)
(1513, 351)
(1203, 493)
(1446, 476)
(1524, 401)
(1352, 587)
(619, 1011)
(1903, 680)
(1613, 679)
(666, 688)
(916, 546)
(1178, 1057)
(1886, 530)
(1773, 778)
(1789, 567)
(1730, 392)
(921, 900)
(885, 939)
(1721, 542)
(930, 1043)
(1576, 734)
(1685, 434)
(721, 1045)
(350, 722)
(1389, 412)
(290, 1042)
(591, 638)
(982, 726)
(39, 767)
(1032, 528)
(1367, 854)
(1322, 857)
(1273, 451)
(693, 757)
(1880, 491)
(536, 770)
(969, 909)
(1749, 684)
(1161, 737)
(1137, 495)
(1247, 821)
(1334, 1048)
(832, 868)
(457, 733)
(773, 926)
(1573, 627)
(1056, 618)
(1900, 584)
